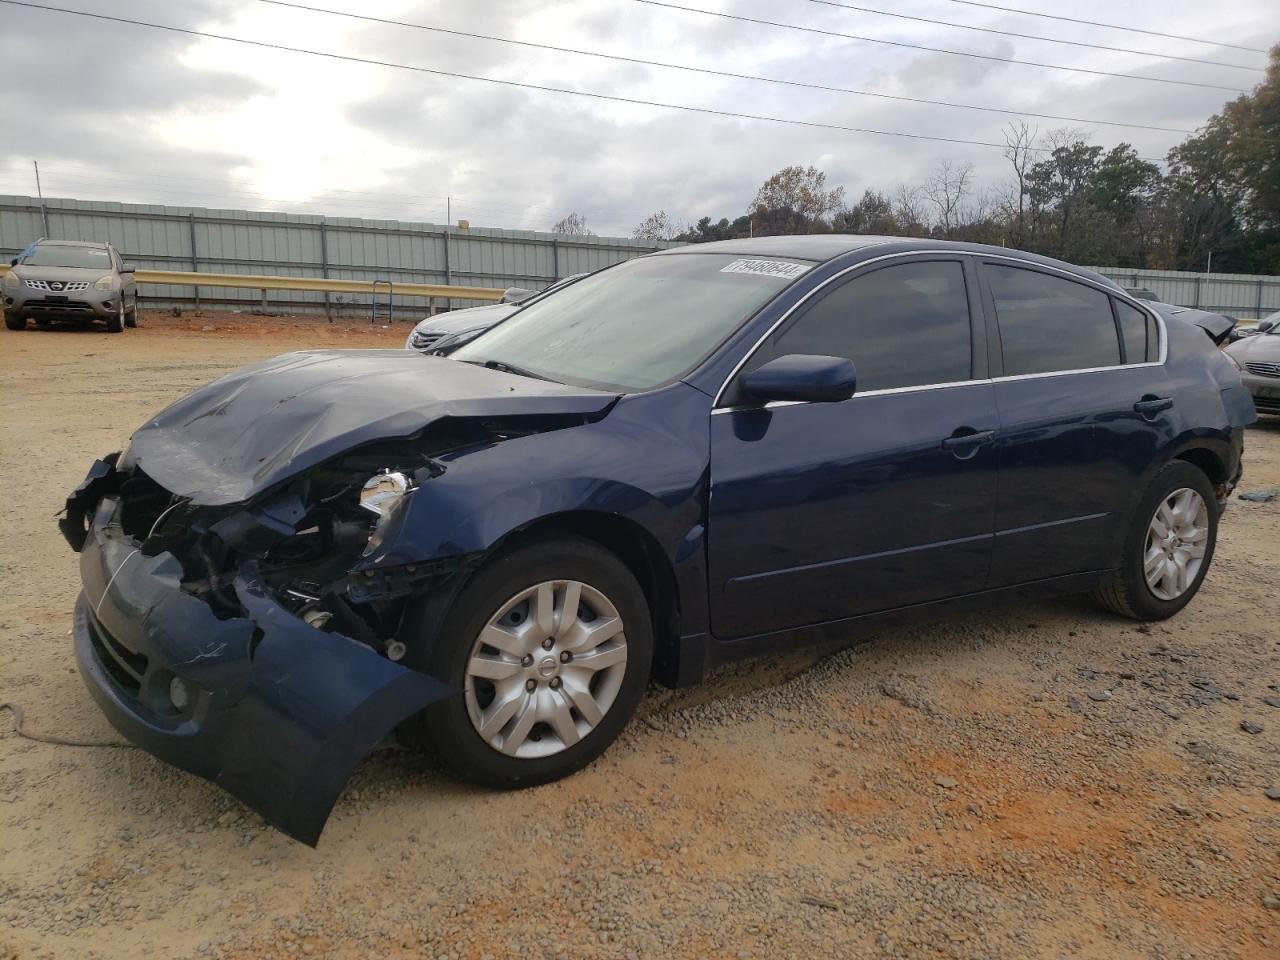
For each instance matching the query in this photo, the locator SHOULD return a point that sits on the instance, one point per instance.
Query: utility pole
(1208, 267)
(44, 213)
(448, 210)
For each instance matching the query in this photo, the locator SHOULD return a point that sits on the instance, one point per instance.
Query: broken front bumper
(276, 712)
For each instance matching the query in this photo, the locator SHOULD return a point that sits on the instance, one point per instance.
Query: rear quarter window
(1138, 333)
(1049, 324)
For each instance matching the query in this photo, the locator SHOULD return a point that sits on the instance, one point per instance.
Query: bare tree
(657, 227)
(1019, 150)
(574, 225)
(946, 188)
(907, 210)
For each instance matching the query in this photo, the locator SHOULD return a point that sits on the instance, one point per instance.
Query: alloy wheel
(1176, 542)
(545, 669)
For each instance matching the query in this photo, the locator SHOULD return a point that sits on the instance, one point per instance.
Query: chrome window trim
(887, 391)
(1066, 274)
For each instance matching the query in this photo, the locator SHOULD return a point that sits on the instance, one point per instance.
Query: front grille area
(59, 286)
(1267, 404)
(1263, 369)
(424, 340)
(124, 666)
(58, 305)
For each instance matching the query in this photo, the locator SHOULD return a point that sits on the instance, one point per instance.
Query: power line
(920, 46)
(715, 73)
(1108, 26)
(685, 108)
(1032, 36)
(93, 175)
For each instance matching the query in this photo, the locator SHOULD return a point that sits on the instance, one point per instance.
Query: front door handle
(1149, 406)
(965, 442)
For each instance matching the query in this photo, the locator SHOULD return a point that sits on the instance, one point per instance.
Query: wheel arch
(639, 551)
(1209, 461)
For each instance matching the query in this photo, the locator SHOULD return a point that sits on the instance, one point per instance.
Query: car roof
(828, 246)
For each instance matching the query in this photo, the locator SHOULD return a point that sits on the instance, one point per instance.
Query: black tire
(15, 323)
(131, 318)
(1128, 593)
(115, 322)
(447, 726)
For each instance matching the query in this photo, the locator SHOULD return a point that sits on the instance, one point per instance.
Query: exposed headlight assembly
(105, 283)
(383, 495)
(383, 491)
(1232, 358)
(11, 281)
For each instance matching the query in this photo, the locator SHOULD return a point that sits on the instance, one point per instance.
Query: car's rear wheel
(1168, 548)
(115, 324)
(549, 646)
(15, 323)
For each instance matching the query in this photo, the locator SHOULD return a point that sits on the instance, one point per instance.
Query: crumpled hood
(246, 432)
(1216, 325)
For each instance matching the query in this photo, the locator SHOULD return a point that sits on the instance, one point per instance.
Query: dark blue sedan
(711, 451)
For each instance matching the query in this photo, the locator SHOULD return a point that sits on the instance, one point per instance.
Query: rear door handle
(965, 441)
(1150, 406)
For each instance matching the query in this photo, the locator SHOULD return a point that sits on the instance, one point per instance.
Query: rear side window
(1138, 334)
(1049, 324)
(902, 326)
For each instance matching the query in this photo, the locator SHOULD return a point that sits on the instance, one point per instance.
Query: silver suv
(70, 280)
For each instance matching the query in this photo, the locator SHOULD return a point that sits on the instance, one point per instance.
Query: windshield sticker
(767, 268)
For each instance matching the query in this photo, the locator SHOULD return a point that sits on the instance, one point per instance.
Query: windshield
(635, 326)
(50, 255)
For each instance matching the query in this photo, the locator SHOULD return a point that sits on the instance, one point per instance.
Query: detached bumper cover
(279, 714)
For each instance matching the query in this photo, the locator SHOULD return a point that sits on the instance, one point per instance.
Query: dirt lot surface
(1035, 781)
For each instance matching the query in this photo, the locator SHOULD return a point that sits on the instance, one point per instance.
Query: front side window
(1049, 324)
(902, 326)
(59, 255)
(638, 325)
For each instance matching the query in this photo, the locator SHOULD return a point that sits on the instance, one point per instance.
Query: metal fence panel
(1241, 295)
(292, 245)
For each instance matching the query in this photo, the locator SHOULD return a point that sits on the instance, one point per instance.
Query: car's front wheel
(131, 318)
(15, 322)
(549, 646)
(1168, 548)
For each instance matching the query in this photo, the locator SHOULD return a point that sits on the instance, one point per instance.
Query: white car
(448, 331)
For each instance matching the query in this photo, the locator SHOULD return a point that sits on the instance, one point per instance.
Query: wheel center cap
(547, 667)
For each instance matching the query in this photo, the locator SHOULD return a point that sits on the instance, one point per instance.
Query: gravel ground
(1035, 781)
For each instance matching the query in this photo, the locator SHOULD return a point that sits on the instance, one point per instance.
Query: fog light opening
(179, 694)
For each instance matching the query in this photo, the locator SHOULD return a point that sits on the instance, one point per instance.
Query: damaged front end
(239, 617)
(226, 641)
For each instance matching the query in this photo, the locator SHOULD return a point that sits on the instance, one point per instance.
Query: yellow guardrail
(185, 278)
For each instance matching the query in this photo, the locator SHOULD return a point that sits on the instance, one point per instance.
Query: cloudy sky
(121, 112)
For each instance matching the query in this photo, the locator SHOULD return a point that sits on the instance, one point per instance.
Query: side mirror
(13, 262)
(127, 268)
(1266, 326)
(801, 377)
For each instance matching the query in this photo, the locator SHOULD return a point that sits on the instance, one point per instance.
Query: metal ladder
(391, 306)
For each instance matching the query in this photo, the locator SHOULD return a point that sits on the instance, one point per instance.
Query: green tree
(797, 198)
